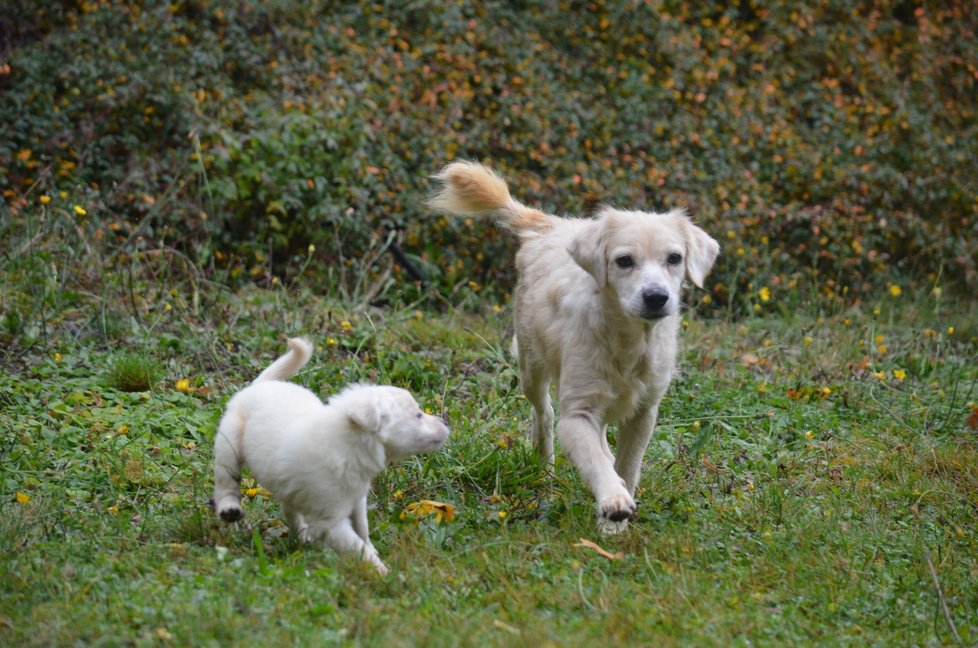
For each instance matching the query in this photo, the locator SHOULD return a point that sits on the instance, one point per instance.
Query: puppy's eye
(674, 259)
(625, 261)
(418, 415)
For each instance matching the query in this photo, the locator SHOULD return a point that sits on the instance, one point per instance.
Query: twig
(580, 589)
(940, 597)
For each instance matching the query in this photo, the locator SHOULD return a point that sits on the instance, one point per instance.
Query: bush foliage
(830, 148)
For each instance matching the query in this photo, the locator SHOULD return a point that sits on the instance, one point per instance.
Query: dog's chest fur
(637, 377)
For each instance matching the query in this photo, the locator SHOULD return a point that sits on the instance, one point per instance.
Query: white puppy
(317, 460)
(597, 309)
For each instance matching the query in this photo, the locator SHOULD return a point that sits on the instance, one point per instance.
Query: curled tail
(299, 353)
(470, 189)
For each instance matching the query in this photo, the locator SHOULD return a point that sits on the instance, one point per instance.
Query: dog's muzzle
(655, 303)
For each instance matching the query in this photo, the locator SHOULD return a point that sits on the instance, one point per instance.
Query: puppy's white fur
(317, 460)
(598, 310)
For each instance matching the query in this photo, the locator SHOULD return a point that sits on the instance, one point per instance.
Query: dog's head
(643, 257)
(394, 417)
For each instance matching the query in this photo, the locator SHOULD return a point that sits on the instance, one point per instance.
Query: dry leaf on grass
(601, 552)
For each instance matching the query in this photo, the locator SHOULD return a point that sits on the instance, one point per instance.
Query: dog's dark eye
(674, 259)
(625, 261)
(418, 415)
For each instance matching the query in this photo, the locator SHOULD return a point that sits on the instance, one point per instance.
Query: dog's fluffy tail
(299, 353)
(471, 189)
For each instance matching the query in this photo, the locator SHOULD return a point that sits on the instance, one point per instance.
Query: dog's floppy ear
(701, 252)
(587, 250)
(364, 417)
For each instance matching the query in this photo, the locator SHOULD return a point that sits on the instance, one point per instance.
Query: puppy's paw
(617, 507)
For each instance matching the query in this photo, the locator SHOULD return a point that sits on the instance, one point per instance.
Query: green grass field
(813, 477)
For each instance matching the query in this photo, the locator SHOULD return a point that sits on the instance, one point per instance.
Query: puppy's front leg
(340, 536)
(359, 519)
(633, 439)
(580, 438)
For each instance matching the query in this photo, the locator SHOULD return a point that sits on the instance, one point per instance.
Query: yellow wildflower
(251, 492)
(502, 515)
(895, 290)
(23, 498)
(45, 199)
(345, 325)
(183, 385)
(80, 211)
(900, 374)
(880, 376)
(765, 294)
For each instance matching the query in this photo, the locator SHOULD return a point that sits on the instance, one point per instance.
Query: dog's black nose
(654, 299)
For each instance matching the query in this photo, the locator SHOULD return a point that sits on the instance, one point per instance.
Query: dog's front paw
(229, 510)
(617, 507)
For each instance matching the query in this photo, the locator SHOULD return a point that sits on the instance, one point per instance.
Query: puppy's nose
(654, 299)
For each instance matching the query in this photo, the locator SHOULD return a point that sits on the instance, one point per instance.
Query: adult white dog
(317, 460)
(597, 307)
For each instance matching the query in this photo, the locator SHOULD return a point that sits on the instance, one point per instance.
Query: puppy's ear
(701, 252)
(587, 250)
(364, 417)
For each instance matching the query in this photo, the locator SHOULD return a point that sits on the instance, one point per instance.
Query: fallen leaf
(601, 552)
(973, 419)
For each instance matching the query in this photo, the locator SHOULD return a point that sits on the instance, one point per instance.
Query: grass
(812, 476)
(805, 469)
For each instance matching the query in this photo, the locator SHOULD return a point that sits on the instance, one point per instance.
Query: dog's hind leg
(297, 523)
(341, 536)
(535, 384)
(228, 460)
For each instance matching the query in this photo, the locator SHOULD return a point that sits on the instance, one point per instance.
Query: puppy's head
(394, 417)
(643, 258)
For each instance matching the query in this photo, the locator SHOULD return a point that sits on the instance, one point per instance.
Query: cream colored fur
(597, 308)
(317, 460)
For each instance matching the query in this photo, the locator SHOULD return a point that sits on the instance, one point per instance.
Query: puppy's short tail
(299, 353)
(470, 189)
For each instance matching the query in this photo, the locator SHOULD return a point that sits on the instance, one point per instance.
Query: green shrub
(829, 148)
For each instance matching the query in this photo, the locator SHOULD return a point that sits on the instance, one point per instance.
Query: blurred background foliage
(831, 147)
